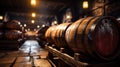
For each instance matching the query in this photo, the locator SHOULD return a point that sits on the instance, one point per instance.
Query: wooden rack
(74, 61)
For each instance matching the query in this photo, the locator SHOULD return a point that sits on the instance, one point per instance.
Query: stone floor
(30, 54)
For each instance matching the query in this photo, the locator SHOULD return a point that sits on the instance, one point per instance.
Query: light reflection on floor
(30, 54)
(32, 46)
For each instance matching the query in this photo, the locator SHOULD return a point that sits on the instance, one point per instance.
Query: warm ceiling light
(33, 15)
(33, 2)
(33, 21)
(85, 4)
(38, 26)
(1, 17)
(25, 25)
(43, 25)
(68, 16)
(55, 22)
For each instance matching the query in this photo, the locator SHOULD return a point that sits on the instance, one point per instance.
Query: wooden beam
(66, 58)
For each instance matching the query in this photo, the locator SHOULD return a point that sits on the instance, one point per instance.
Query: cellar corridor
(30, 54)
(59, 33)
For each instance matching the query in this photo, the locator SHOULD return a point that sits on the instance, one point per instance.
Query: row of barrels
(10, 30)
(96, 37)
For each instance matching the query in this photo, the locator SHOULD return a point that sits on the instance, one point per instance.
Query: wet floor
(30, 54)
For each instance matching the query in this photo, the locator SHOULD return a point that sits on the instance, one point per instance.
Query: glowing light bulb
(68, 16)
(25, 25)
(33, 14)
(43, 25)
(38, 26)
(33, 2)
(33, 21)
(1, 17)
(85, 4)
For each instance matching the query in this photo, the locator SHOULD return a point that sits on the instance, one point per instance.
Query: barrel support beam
(66, 58)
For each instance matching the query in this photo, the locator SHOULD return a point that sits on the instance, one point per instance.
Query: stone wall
(109, 8)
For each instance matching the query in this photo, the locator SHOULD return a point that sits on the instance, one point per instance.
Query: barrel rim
(117, 52)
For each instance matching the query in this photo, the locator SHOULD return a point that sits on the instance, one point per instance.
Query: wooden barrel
(13, 34)
(59, 35)
(14, 24)
(48, 34)
(97, 37)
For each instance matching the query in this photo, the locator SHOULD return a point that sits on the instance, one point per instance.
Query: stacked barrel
(12, 35)
(13, 30)
(94, 37)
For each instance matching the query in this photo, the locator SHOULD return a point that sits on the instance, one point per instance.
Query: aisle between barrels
(30, 54)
